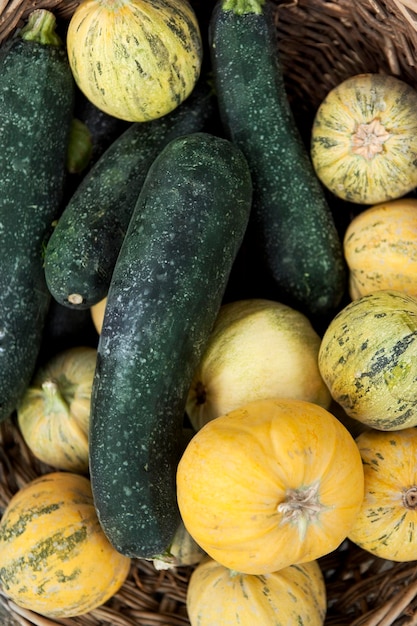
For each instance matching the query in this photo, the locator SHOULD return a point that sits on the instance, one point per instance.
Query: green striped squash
(54, 557)
(364, 139)
(293, 595)
(386, 523)
(368, 359)
(136, 60)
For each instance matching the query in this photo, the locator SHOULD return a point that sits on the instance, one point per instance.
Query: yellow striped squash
(364, 139)
(54, 556)
(294, 595)
(386, 524)
(135, 59)
(368, 359)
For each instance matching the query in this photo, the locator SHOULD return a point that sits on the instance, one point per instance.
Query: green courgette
(292, 225)
(165, 293)
(36, 107)
(83, 248)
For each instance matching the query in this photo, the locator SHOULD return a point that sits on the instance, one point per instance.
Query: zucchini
(82, 251)
(165, 293)
(36, 108)
(292, 226)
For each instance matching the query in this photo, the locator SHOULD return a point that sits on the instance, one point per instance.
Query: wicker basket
(321, 43)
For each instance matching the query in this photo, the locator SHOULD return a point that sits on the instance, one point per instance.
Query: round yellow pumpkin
(54, 412)
(364, 139)
(258, 349)
(97, 314)
(54, 557)
(368, 359)
(293, 595)
(136, 60)
(271, 484)
(386, 523)
(380, 248)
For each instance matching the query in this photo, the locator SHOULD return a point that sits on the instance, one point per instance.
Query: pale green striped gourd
(136, 60)
(364, 139)
(368, 359)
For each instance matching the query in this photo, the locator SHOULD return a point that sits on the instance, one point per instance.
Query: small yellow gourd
(293, 595)
(97, 314)
(271, 484)
(136, 60)
(380, 248)
(258, 349)
(364, 139)
(386, 524)
(54, 557)
(54, 412)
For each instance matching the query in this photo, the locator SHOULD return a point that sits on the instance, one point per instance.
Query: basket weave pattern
(321, 42)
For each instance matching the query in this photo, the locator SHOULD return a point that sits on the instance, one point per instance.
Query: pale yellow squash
(271, 484)
(293, 595)
(380, 248)
(54, 412)
(258, 349)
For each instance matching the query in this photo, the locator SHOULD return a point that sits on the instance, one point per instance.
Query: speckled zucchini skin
(82, 250)
(292, 223)
(165, 293)
(36, 99)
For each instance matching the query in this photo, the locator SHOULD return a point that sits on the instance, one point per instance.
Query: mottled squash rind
(54, 557)
(293, 595)
(368, 359)
(360, 99)
(135, 60)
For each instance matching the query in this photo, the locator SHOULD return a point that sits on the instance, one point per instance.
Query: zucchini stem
(40, 28)
(240, 7)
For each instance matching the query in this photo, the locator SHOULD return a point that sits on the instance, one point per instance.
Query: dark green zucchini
(165, 293)
(83, 248)
(291, 226)
(36, 105)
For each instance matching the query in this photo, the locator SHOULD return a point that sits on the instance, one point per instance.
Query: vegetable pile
(187, 332)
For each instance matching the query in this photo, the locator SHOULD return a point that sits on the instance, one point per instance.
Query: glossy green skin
(291, 221)
(83, 248)
(36, 103)
(165, 293)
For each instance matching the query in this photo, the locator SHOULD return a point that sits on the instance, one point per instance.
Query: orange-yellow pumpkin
(380, 248)
(293, 595)
(54, 556)
(386, 524)
(271, 484)
(97, 314)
